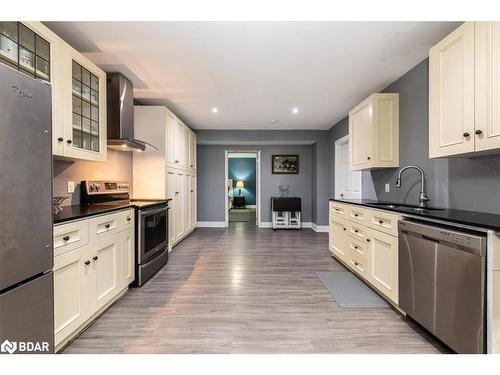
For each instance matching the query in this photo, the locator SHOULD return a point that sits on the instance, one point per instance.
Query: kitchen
(119, 186)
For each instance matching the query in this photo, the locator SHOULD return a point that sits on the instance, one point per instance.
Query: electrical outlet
(71, 187)
(387, 188)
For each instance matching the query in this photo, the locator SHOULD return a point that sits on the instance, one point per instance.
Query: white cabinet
(90, 277)
(383, 263)
(451, 93)
(78, 101)
(366, 241)
(170, 171)
(374, 132)
(464, 90)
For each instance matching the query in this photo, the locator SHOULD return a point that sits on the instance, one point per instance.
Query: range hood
(120, 101)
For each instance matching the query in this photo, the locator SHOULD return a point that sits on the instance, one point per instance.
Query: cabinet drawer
(70, 236)
(103, 226)
(359, 266)
(357, 231)
(357, 249)
(384, 222)
(358, 214)
(339, 210)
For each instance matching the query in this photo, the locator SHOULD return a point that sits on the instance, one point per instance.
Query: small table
(239, 202)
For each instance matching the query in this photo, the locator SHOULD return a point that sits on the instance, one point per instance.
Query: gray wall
(462, 183)
(211, 179)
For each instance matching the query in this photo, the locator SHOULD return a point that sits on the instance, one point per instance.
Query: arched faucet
(423, 199)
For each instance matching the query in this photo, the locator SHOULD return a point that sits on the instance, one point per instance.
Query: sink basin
(405, 207)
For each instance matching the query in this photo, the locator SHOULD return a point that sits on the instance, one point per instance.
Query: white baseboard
(211, 224)
(320, 228)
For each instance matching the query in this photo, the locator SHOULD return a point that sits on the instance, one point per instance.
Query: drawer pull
(107, 226)
(355, 215)
(356, 231)
(344, 228)
(355, 247)
(87, 262)
(381, 221)
(95, 258)
(368, 240)
(128, 219)
(66, 238)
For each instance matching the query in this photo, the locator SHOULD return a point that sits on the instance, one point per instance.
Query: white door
(347, 182)
(487, 105)
(451, 93)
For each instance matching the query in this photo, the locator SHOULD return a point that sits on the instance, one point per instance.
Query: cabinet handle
(368, 240)
(368, 158)
(381, 221)
(107, 226)
(176, 192)
(355, 215)
(344, 229)
(128, 219)
(355, 247)
(192, 191)
(60, 139)
(479, 132)
(356, 263)
(69, 141)
(66, 238)
(466, 134)
(356, 231)
(192, 165)
(95, 258)
(87, 262)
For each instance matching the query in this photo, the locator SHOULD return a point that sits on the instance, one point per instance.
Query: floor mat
(349, 291)
(241, 214)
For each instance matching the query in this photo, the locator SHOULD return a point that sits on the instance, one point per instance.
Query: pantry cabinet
(366, 241)
(170, 171)
(90, 273)
(464, 89)
(78, 92)
(374, 132)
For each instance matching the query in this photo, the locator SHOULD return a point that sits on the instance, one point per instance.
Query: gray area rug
(349, 291)
(241, 214)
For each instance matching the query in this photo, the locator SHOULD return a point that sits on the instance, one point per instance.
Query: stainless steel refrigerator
(26, 251)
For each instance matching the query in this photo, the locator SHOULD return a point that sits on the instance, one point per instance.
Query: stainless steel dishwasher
(442, 282)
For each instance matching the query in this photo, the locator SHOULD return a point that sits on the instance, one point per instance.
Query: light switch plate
(387, 188)
(71, 186)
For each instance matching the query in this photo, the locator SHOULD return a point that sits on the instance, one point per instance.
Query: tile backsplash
(117, 167)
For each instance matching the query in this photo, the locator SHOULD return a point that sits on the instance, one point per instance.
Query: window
(85, 108)
(24, 50)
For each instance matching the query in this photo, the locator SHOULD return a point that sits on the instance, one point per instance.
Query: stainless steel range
(151, 223)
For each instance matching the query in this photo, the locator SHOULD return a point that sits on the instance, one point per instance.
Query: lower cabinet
(89, 278)
(366, 248)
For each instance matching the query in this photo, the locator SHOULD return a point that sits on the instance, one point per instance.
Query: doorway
(348, 183)
(242, 187)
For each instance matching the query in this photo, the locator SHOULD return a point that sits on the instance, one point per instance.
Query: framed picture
(285, 164)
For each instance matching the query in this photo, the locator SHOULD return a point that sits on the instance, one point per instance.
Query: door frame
(257, 183)
(338, 167)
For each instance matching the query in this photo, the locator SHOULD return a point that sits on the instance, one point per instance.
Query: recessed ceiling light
(274, 122)
(295, 111)
(215, 110)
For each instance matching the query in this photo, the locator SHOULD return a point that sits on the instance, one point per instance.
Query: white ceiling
(256, 72)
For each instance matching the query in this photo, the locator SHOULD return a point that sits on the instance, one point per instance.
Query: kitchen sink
(404, 207)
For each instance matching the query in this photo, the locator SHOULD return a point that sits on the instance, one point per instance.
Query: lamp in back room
(240, 185)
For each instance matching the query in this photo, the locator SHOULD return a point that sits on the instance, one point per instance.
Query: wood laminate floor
(247, 290)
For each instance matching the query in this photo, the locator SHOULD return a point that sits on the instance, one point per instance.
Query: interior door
(347, 182)
(487, 98)
(451, 93)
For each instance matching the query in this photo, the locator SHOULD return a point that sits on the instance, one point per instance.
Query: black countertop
(476, 219)
(80, 211)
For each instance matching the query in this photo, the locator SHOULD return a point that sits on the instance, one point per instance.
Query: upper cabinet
(78, 87)
(464, 89)
(374, 132)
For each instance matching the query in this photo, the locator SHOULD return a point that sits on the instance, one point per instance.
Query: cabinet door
(170, 143)
(70, 293)
(383, 263)
(179, 144)
(103, 256)
(178, 202)
(338, 238)
(451, 93)
(186, 212)
(185, 141)
(192, 202)
(192, 150)
(127, 257)
(171, 194)
(84, 114)
(487, 104)
(360, 133)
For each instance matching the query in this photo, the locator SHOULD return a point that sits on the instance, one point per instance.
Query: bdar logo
(8, 347)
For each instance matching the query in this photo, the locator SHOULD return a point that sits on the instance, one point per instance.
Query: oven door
(152, 232)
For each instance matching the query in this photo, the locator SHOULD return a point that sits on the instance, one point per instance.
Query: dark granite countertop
(80, 211)
(476, 219)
